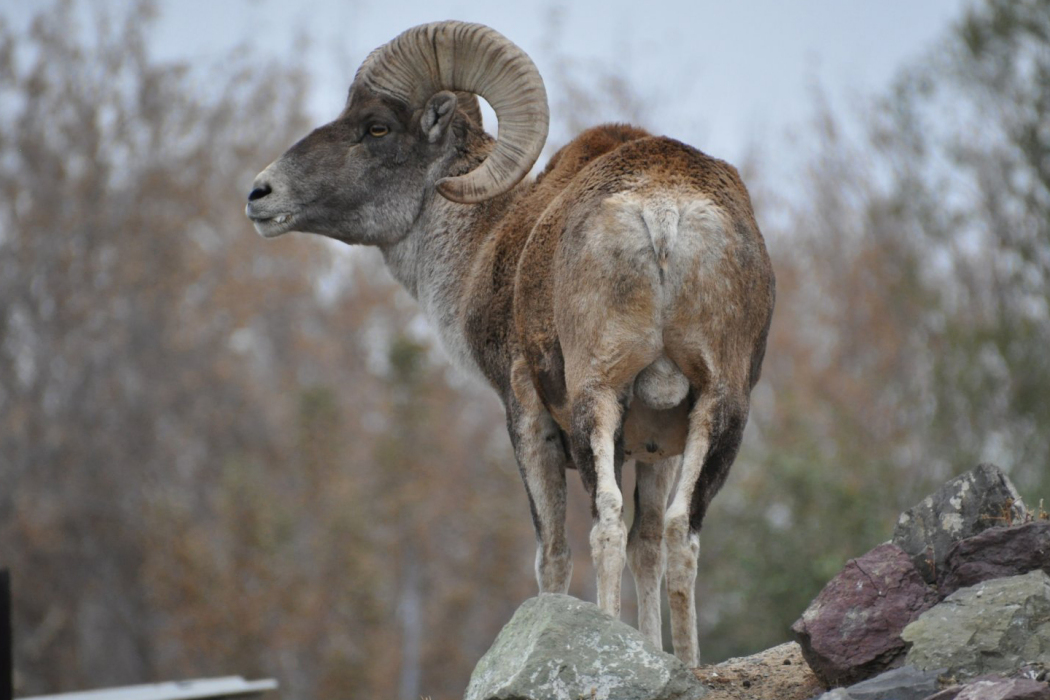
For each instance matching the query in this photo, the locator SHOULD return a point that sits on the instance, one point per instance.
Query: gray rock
(557, 647)
(997, 626)
(996, 553)
(904, 683)
(965, 506)
(1004, 689)
(851, 630)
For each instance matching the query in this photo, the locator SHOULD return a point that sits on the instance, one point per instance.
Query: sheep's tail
(660, 216)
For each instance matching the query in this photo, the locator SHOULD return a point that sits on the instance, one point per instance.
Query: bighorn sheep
(618, 304)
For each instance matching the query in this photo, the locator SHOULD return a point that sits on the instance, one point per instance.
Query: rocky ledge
(955, 607)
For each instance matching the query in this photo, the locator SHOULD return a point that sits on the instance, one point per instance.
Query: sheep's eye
(378, 130)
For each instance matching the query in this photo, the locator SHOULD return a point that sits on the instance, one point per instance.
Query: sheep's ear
(468, 104)
(437, 115)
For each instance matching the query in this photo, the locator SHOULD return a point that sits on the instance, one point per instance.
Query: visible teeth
(283, 218)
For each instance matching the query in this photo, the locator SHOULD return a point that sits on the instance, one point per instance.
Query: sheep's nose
(259, 192)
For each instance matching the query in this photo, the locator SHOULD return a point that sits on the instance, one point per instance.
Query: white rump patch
(660, 216)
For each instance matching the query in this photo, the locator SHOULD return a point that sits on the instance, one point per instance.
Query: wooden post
(7, 681)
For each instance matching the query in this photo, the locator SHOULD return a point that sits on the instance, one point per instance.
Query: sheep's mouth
(271, 226)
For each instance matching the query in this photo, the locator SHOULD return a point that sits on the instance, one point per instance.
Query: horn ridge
(473, 58)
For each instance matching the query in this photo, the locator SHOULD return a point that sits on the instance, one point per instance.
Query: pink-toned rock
(851, 631)
(996, 553)
(1002, 689)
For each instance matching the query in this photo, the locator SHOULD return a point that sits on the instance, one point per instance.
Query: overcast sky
(718, 74)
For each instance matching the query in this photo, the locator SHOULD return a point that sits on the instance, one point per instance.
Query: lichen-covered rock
(996, 553)
(996, 626)
(557, 647)
(980, 499)
(851, 630)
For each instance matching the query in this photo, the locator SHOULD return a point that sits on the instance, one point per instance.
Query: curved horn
(474, 58)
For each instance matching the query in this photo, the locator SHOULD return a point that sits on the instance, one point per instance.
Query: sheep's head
(363, 177)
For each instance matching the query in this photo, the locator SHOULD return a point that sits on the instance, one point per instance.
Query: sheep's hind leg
(645, 551)
(716, 426)
(597, 450)
(682, 542)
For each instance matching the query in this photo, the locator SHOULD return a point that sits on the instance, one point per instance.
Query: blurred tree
(973, 192)
(911, 326)
(118, 385)
(452, 519)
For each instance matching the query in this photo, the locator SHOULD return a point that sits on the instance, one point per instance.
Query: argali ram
(618, 303)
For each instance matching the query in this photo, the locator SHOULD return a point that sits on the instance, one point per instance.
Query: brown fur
(510, 308)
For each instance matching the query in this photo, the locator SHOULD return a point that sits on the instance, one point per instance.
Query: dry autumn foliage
(222, 455)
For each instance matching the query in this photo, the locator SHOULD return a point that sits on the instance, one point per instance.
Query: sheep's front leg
(645, 551)
(542, 461)
(598, 453)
